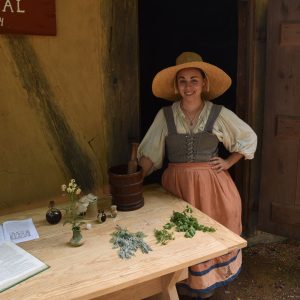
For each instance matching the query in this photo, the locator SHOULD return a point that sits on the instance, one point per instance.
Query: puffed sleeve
(153, 144)
(235, 134)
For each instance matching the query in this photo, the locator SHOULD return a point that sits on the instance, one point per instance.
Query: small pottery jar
(92, 210)
(113, 211)
(53, 215)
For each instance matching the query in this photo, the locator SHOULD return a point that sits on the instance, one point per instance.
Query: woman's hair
(201, 72)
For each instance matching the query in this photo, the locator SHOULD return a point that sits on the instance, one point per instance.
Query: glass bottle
(53, 214)
(101, 216)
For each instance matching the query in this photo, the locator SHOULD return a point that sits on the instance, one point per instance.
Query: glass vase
(77, 239)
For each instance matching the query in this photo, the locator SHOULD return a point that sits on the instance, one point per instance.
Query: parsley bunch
(181, 222)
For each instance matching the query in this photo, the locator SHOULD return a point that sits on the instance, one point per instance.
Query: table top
(94, 269)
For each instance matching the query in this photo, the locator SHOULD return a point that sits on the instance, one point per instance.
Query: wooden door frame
(250, 99)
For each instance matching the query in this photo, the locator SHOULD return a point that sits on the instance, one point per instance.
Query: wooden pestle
(133, 164)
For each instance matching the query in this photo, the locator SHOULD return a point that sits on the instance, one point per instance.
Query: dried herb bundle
(128, 242)
(181, 222)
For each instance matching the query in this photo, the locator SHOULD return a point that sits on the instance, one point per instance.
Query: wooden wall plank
(284, 214)
(120, 66)
(290, 34)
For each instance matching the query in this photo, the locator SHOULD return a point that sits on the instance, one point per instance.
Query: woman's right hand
(146, 165)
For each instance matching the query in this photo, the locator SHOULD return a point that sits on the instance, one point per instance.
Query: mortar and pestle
(126, 183)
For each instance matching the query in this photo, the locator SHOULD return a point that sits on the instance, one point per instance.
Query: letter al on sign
(9, 5)
(28, 17)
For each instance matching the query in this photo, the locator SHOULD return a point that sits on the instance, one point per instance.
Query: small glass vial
(53, 215)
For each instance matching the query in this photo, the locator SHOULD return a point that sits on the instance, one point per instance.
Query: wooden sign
(28, 17)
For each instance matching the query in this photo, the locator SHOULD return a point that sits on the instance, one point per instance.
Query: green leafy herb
(128, 243)
(181, 222)
(163, 236)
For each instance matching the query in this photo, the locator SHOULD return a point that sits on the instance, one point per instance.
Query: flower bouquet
(75, 210)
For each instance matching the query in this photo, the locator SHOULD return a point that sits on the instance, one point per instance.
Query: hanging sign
(28, 17)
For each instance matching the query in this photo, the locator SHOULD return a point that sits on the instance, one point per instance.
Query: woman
(190, 131)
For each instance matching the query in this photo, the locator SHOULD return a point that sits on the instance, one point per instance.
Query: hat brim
(163, 82)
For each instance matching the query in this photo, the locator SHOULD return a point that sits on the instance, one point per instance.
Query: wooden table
(94, 270)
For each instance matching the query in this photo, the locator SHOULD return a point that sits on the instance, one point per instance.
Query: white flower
(76, 206)
(92, 198)
(84, 200)
(82, 206)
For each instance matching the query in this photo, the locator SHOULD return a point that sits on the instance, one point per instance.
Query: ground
(271, 271)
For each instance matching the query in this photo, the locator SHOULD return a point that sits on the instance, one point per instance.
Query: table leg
(169, 291)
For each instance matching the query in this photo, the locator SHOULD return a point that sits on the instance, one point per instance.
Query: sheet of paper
(16, 264)
(20, 231)
(1, 233)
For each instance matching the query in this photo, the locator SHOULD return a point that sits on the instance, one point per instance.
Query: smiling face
(190, 83)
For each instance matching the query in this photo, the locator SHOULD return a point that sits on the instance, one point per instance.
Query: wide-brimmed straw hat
(163, 85)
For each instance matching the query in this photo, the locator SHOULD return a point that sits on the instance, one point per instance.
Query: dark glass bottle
(103, 216)
(53, 215)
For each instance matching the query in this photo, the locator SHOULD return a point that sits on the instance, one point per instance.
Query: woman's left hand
(219, 164)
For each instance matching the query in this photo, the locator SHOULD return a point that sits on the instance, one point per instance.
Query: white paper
(19, 231)
(16, 264)
(1, 233)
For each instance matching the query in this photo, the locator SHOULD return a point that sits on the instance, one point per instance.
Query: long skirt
(216, 195)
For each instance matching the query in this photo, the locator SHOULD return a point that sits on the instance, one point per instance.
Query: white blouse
(234, 133)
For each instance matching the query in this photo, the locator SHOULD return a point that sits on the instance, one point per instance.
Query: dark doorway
(169, 27)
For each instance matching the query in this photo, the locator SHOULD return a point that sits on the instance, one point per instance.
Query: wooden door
(279, 210)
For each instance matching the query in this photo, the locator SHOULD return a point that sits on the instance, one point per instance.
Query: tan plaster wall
(60, 97)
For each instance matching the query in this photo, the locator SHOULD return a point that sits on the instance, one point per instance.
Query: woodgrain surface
(94, 269)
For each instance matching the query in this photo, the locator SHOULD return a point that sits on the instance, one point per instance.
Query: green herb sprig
(180, 222)
(128, 242)
(163, 236)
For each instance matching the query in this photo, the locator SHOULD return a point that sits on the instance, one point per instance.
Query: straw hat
(163, 85)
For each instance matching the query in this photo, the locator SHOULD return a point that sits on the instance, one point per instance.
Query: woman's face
(190, 83)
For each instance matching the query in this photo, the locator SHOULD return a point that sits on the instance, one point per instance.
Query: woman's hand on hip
(219, 164)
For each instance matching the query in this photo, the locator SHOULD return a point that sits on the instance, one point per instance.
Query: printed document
(18, 231)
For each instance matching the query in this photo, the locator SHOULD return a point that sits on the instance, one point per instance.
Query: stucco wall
(69, 103)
